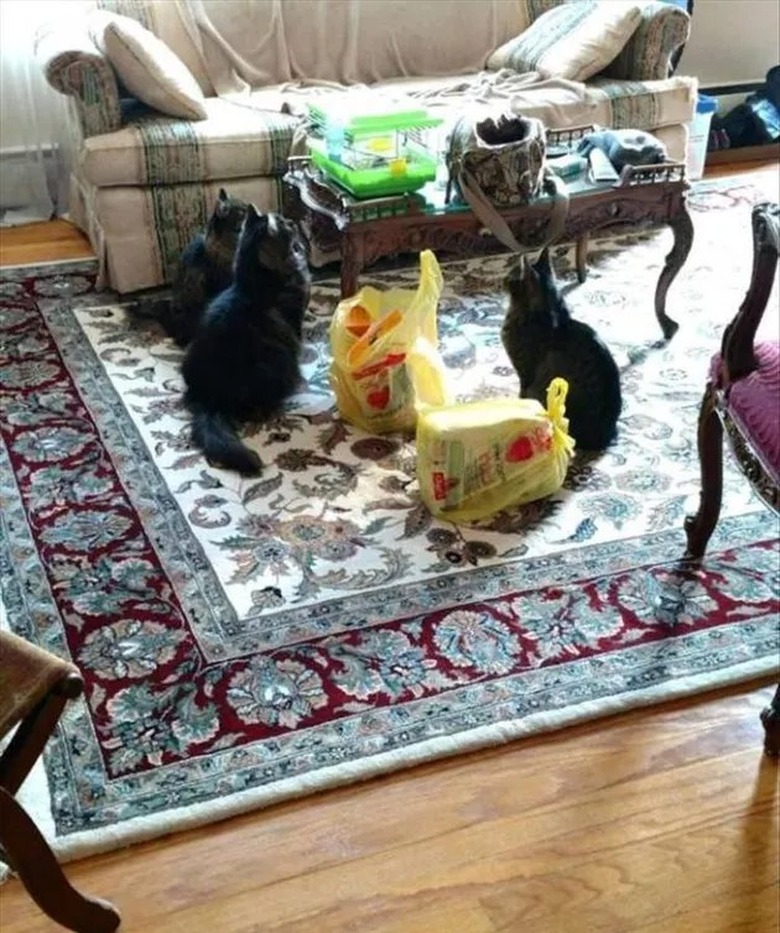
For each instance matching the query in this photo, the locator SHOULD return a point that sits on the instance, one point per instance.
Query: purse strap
(490, 217)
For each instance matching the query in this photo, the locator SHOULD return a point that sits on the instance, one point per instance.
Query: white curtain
(34, 150)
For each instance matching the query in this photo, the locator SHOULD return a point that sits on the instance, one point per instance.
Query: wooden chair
(743, 395)
(34, 688)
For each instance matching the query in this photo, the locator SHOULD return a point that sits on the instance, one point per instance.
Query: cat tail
(217, 438)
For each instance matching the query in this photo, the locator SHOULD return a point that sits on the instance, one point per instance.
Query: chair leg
(699, 527)
(770, 718)
(28, 742)
(30, 856)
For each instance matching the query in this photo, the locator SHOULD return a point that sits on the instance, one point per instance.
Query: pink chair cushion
(753, 405)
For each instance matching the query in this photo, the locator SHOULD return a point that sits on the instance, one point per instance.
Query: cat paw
(247, 463)
(252, 466)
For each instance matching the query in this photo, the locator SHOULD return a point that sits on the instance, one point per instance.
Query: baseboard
(768, 152)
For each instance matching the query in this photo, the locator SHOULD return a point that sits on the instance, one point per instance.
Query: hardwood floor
(46, 241)
(662, 820)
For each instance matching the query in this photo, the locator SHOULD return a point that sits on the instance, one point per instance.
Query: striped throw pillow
(574, 40)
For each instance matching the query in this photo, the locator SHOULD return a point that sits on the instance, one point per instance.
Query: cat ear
(542, 264)
(221, 209)
(254, 218)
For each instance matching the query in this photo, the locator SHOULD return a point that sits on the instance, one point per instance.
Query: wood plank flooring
(46, 241)
(662, 820)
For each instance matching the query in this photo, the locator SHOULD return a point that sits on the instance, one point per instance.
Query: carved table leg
(38, 870)
(351, 264)
(770, 718)
(699, 527)
(682, 228)
(582, 258)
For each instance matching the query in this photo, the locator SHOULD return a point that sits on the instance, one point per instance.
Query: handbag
(498, 163)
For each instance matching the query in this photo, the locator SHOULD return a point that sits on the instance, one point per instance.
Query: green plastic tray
(370, 122)
(375, 182)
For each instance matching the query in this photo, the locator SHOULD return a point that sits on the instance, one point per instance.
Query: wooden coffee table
(361, 232)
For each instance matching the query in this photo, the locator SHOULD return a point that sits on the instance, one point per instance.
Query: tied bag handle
(491, 218)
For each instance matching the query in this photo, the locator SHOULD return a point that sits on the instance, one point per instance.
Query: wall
(33, 138)
(732, 41)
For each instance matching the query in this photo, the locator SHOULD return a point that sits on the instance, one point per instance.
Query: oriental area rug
(244, 641)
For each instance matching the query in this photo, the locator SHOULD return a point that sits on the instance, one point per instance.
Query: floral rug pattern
(234, 633)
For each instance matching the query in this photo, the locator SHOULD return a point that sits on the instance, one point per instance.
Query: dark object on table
(625, 147)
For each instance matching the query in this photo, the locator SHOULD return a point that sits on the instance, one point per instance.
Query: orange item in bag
(358, 321)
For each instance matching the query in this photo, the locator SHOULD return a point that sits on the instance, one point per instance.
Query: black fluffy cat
(543, 341)
(204, 270)
(243, 362)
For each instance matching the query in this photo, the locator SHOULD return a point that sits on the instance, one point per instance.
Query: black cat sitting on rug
(543, 341)
(243, 362)
(205, 269)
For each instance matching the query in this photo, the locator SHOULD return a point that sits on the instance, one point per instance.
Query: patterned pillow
(574, 40)
(147, 67)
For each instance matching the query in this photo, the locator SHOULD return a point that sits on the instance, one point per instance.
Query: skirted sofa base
(138, 232)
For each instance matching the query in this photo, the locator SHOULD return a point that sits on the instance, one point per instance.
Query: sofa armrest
(664, 28)
(73, 65)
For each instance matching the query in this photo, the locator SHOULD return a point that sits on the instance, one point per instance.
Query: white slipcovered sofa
(143, 183)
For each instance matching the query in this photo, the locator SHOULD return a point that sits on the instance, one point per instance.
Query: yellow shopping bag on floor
(480, 457)
(386, 364)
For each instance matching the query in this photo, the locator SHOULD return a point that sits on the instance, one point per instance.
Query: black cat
(205, 269)
(543, 341)
(243, 362)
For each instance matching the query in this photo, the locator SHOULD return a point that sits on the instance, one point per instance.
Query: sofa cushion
(147, 67)
(646, 105)
(753, 403)
(574, 40)
(234, 141)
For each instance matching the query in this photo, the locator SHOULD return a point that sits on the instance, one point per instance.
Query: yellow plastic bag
(478, 458)
(386, 365)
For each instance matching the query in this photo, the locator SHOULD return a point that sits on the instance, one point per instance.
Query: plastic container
(476, 458)
(373, 146)
(699, 134)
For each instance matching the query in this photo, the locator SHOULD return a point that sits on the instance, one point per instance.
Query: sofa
(143, 182)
